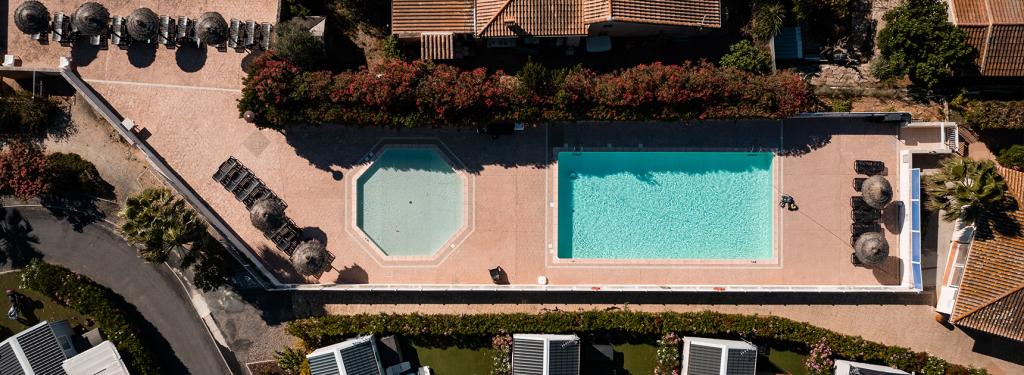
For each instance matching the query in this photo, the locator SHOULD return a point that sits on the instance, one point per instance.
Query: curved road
(107, 259)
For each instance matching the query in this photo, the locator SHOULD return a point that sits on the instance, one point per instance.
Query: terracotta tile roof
(412, 17)
(437, 46)
(990, 297)
(508, 18)
(707, 13)
(996, 29)
(534, 18)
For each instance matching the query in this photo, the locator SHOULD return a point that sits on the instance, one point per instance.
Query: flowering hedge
(83, 295)
(469, 329)
(411, 94)
(23, 170)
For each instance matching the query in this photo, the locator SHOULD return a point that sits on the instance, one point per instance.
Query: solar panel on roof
(564, 357)
(9, 364)
(527, 357)
(359, 359)
(703, 360)
(323, 365)
(741, 362)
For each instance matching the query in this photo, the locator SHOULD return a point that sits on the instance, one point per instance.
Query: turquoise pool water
(665, 205)
(410, 201)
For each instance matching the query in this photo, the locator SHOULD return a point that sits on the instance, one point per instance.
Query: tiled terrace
(193, 124)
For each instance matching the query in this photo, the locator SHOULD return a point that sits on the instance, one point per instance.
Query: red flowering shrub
(418, 93)
(23, 171)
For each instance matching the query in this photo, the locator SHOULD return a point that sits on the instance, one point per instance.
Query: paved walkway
(182, 341)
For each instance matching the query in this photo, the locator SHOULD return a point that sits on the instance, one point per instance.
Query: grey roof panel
(564, 357)
(741, 362)
(9, 364)
(359, 359)
(43, 352)
(527, 357)
(703, 360)
(323, 365)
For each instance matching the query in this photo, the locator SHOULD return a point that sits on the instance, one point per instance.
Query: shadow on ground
(333, 147)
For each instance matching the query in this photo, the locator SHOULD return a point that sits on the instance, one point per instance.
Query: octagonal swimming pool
(410, 201)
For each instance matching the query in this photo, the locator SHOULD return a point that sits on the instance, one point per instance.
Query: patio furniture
(225, 167)
(866, 216)
(877, 191)
(247, 187)
(250, 35)
(167, 31)
(243, 176)
(97, 40)
(186, 31)
(857, 203)
(869, 167)
(858, 182)
(286, 238)
(61, 25)
(117, 32)
(496, 274)
(265, 35)
(234, 27)
(860, 228)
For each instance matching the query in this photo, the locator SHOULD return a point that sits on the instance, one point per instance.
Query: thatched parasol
(91, 19)
(871, 248)
(212, 29)
(311, 258)
(31, 17)
(877, 192)
(143, 24)
(267, 214)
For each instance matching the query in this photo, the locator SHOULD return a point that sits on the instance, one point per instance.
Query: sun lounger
(857, 203)
(250, 34)
(286, 238)
(225, 167)
(860, 228)
(60, 28)
(185, 31)
(167, 30)
(869, 167)
(858, 182)
(247, 188)
(233, 29)
(118, 35)
(265, 35)
(865, 216)
(237, 181)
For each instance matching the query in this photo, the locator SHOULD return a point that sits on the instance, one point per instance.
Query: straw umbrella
(212, 29)
(31, 17)
(311, 258)
(870, 248)
(877, 192)
(267, 214)
(91, 19)
(143, 24)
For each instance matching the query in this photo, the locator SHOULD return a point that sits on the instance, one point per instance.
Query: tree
(297, 45)
(919, 41)
(767, 20)
(70, 173)
(746, 57)
(209, 262)
(964, 188)
(23, 171)
(1012, 157)
(26, 115)
(156, 222)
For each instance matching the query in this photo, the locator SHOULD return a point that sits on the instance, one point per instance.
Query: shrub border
(478, 329)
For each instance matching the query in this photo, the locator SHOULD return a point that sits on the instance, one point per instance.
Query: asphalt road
(181, 340)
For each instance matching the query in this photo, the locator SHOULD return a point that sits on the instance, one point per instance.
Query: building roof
(34, 350)
(990, 297)
(996, 29)
(856, 368)
(705, 356)
(562, 354)
(356, 356)
(102, 359)
(510, 18)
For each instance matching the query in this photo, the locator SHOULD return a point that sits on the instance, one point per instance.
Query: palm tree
(157, 222)
(964, 188)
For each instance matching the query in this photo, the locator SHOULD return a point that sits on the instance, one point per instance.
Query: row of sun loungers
(865, 218)
(242, 35)
(249, 34)
(248, 189)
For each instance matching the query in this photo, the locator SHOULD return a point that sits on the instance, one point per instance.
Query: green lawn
(787, 362)
(638, 359)
(34, 308)
(449, 361)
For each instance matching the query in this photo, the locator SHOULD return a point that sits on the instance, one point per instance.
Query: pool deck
(188, 114)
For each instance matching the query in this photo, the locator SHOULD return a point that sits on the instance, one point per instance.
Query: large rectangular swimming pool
(665, 205)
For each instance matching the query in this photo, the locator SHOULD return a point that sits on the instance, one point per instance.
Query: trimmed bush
(994, 114)
(23, 171)
(85, 296)
(479, 329)
(414, 94)
(71, 173)
(748, 58)
(1012, 157)
(296, 44)
(919, 41)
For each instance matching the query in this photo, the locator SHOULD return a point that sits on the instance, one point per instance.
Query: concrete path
(183, 343)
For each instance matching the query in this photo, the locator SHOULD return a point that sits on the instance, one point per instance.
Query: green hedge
(477, 329)
(994, 114)
(85, 296)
